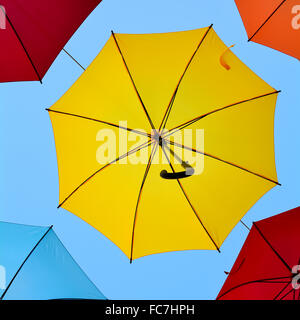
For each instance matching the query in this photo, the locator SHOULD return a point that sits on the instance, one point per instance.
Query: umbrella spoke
(168, 111)
(189, 202)
(255, 33)
(142, 146)
(139, 197)
(276, 281)
(132, 81)
(30, 253)
(287, 294)
(192, 121)
(221, 160)
(273, 249)
(22, 44)
(251, 282)
(101, 121)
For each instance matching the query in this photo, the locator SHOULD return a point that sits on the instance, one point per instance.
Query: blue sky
(28, 168)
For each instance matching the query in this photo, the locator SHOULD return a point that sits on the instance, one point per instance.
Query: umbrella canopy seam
(168, 111)
(273, 249)
(22, 44)
(125, 155)
(221, 160)
(139, 197)
(255, 33)
(281, 291)
(288, 293)
(189, 202)
(192, 121)
(250, 282)
(30, 253)
(132, 81)
(101, 121)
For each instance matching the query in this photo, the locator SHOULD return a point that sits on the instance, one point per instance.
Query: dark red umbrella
(33, 32)
(268, 266)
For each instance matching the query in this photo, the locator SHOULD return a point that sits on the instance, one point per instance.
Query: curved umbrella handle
(189, 171)
(222, 58)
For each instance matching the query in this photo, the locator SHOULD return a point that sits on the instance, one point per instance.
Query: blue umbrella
(34, 265)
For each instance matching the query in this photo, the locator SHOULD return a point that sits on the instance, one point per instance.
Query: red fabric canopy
(264, 267)
(33, 32)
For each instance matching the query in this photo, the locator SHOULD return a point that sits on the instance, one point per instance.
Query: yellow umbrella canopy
(130, 123)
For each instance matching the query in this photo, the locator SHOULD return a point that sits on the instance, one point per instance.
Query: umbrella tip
(130, 260)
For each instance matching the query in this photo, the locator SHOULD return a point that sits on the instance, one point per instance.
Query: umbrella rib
(275, 281)
(168, 110)
(280, 292)
(189, 202)
(104, 122)
(255, 33)
(249, 282)
(139, 198)
(132, 81)
(273, 249)
(30, 253)
(142, 146)
(22, 44)
(190, 122)
(222, 160)
(287, 294)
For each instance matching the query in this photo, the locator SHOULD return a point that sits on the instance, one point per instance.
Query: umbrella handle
(189, 171)
(222, 58)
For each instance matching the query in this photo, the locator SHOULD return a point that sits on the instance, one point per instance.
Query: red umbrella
(33, 32)
(268, 266)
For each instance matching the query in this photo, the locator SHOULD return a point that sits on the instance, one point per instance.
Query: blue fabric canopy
(34, 265)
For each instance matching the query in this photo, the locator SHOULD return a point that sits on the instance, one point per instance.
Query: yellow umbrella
(146, 96)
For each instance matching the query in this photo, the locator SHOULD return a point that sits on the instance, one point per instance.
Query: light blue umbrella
(34, 265)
